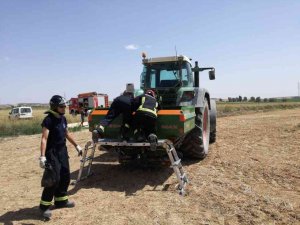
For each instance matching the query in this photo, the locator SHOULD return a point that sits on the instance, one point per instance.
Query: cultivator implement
(175, 161)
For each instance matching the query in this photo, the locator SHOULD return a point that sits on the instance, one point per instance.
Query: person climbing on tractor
(145, 107)
(123, 104)
(54, 153)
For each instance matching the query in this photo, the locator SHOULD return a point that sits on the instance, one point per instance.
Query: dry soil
(250, 176)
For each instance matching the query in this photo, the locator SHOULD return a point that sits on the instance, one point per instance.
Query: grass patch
(28, 127)
(237, 108)
(16, 127)
(75, 129)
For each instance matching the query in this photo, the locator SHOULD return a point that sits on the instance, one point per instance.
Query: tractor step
(166, 144)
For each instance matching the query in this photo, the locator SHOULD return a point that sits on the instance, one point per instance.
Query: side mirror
(212, 75)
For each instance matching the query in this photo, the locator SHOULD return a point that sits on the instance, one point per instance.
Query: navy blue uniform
(120, 105)
(57, 156)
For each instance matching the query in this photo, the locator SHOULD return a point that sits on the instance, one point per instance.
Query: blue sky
(68, 47)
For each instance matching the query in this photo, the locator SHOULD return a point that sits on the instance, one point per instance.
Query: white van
(22, 112)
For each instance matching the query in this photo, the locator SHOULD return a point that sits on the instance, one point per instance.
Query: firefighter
(120, 105)
(145, 107)
(54, 152)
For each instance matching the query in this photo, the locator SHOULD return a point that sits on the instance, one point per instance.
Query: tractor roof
(166, 59)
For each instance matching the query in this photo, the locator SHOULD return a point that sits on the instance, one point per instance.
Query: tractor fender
(200, 95)
(213, 121)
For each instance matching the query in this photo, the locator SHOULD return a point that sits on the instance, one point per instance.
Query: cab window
(25, 110)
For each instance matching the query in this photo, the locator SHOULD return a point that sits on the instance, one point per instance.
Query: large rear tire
(196, 143)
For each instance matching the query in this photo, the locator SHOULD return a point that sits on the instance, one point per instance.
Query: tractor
(187, 115)
(186, 120)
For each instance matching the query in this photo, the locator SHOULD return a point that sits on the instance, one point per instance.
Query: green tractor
(186, 121)
(177, 85)
(187, 116)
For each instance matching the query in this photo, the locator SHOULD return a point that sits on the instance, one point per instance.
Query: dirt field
(251, 176)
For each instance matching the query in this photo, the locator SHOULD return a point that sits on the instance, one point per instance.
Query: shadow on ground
(109, 175)
(21, 215)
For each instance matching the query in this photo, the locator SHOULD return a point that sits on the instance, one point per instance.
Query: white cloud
(4, 59)
(131, 47)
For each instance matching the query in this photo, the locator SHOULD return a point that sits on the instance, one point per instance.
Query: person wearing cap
(54, 153)
(120, 105)
(145, 107)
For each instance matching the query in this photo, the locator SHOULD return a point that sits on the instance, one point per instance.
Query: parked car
(23, 112)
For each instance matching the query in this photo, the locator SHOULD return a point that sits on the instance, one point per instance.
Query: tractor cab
(167, 75)
(167, 72)
(173, 79)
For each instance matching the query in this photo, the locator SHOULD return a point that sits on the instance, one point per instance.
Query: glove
(79, 150)
(43, 162)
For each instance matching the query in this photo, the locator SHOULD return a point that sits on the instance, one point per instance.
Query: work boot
(139, 135)
(68, 204)
(46, 213)
(140, 138)
(125, 132)
(152, 138)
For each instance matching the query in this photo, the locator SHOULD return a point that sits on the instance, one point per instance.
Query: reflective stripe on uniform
(45, 203)
(59, 199)
(147, 110)
(141, 108)
(127, 125)
(142, 103)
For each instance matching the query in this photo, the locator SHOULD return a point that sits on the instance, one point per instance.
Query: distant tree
(245, 99)
(258, 99)
(265, 100)
(237, 99)
(284, 99)
(229, 99)
(272, 100)
(252, 99)
(221, 100)
(240, 98)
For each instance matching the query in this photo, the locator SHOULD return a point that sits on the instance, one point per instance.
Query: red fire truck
(87, 101)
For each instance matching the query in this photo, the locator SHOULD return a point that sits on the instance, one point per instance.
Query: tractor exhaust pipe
(196, 70)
